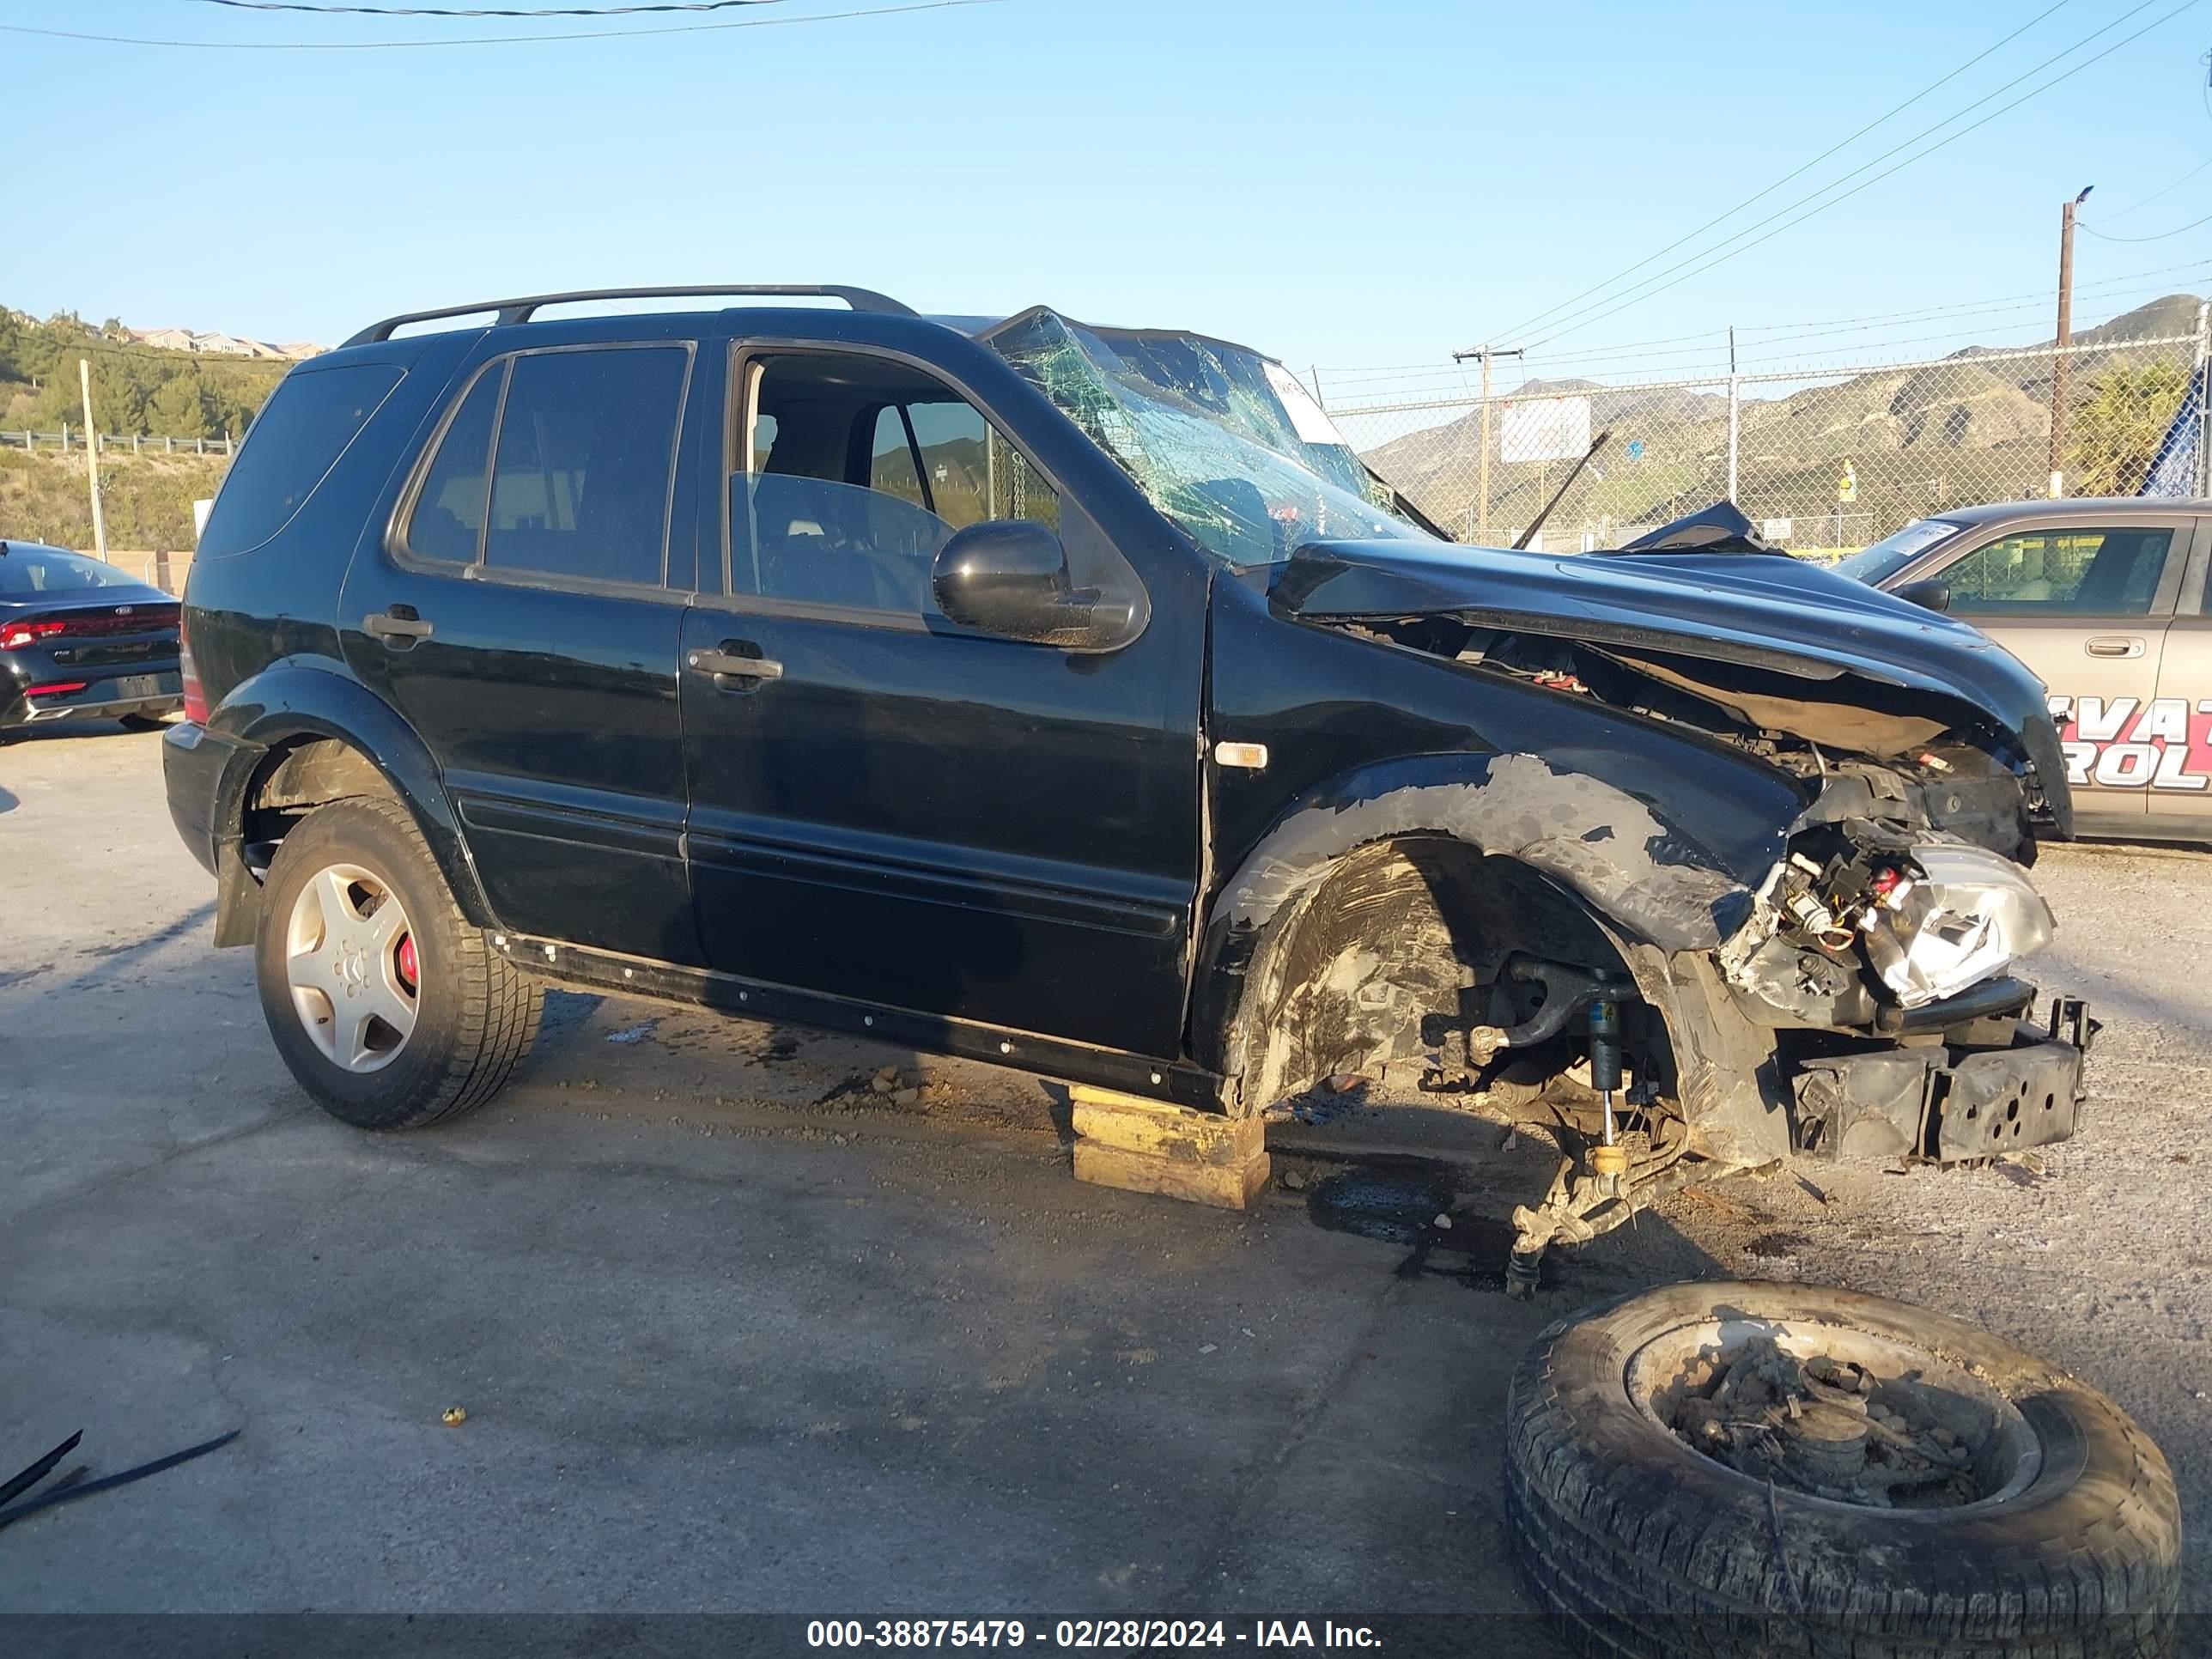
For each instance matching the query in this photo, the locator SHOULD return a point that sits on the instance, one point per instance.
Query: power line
(2039, 295)
(1712, 368)
(1723, 253)
(1797, 172)
(484, 11)
(1376, 371)
(1801, 327)
(1962, 314)
(2121, 213)
(1962, 319)
(2161, 236)
(485, 40)
(1711, 373)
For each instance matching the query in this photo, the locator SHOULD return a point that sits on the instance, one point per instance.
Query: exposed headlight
(1965, 917)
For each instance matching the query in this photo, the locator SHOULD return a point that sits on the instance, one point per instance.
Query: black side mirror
(1010, 576)
(1932, 592)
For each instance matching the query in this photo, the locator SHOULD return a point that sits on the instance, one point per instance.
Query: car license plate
(131, 686)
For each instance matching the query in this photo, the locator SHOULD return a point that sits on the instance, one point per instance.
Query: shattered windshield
(1224, 442)
(1877, 564)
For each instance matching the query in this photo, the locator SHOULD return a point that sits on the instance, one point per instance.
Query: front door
(2181, 790)
(2085, 604)
(525, 615)
(892, 808)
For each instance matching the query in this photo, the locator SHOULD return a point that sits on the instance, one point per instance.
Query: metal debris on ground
(1829, 1427)
(73, 1485)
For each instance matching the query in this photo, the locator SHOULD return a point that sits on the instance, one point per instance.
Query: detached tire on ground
(384, 1001)
(2047, 1525)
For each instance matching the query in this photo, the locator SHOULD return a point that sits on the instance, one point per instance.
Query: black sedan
(79, 640)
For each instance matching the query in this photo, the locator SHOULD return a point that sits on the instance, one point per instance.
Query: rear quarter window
(295, 441)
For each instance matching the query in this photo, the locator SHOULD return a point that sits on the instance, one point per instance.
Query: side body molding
(312, 698)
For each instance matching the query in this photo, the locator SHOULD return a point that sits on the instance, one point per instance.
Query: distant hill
(223, 345)
(1979, 421)
(138, 388)
(145, 499)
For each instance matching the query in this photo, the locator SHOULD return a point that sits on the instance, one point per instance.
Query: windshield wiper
(1573, 473)
(1403, 506)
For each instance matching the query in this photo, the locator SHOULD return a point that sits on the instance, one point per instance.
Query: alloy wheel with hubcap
(351, 963)
(386, 999)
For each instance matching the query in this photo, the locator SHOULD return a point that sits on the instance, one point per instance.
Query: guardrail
(67, 439)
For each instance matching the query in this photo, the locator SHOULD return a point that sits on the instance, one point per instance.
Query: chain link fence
(1823, 460)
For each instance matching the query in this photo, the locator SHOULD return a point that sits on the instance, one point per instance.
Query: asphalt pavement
(734, 1333)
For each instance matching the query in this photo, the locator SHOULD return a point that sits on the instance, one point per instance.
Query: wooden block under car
(1145, 1146)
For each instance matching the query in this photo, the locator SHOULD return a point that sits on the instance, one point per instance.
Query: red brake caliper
(407, 967)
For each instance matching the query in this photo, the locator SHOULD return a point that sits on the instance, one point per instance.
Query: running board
(1177, 1082)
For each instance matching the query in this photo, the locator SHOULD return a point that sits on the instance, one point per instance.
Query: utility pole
(91, 458)
(2058, 360)
(1482, 497)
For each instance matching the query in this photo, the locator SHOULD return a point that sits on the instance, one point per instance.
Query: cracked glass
(1224, 442)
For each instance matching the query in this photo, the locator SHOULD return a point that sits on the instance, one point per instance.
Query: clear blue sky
(1364, 183)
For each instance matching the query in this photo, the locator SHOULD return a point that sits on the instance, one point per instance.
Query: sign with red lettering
(2125, 743)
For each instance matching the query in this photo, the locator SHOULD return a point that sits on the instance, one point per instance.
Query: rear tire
(468, 1014)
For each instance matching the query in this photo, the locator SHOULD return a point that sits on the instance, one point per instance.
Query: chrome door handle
(2114, 645)
(719, 663)
(394, 625)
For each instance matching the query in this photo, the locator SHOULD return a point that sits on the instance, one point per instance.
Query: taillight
(196, 708)
(14, 636)
(59, 689)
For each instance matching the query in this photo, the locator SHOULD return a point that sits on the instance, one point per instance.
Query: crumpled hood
(1768, 611)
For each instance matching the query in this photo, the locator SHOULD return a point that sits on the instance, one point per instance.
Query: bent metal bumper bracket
(1948, 1103)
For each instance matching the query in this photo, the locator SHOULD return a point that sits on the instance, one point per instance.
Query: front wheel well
(1396, 948)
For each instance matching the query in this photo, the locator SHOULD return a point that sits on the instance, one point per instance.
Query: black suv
(1075, 698)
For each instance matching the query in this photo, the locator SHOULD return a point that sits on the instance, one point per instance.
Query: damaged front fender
(1644, 876)
(1653, 879)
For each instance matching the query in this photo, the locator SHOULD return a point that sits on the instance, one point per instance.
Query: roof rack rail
(523, 309)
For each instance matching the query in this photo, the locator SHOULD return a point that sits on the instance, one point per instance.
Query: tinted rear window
(586, 451)
(447, 522)
(296, 439)
(29, 570)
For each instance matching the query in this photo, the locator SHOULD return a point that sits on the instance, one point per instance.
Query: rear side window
(559, 463)
(295, 441)
(447, 522)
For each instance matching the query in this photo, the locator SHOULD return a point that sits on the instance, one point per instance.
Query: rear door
(2086, 603)
(2181, 788)
(523, 613)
